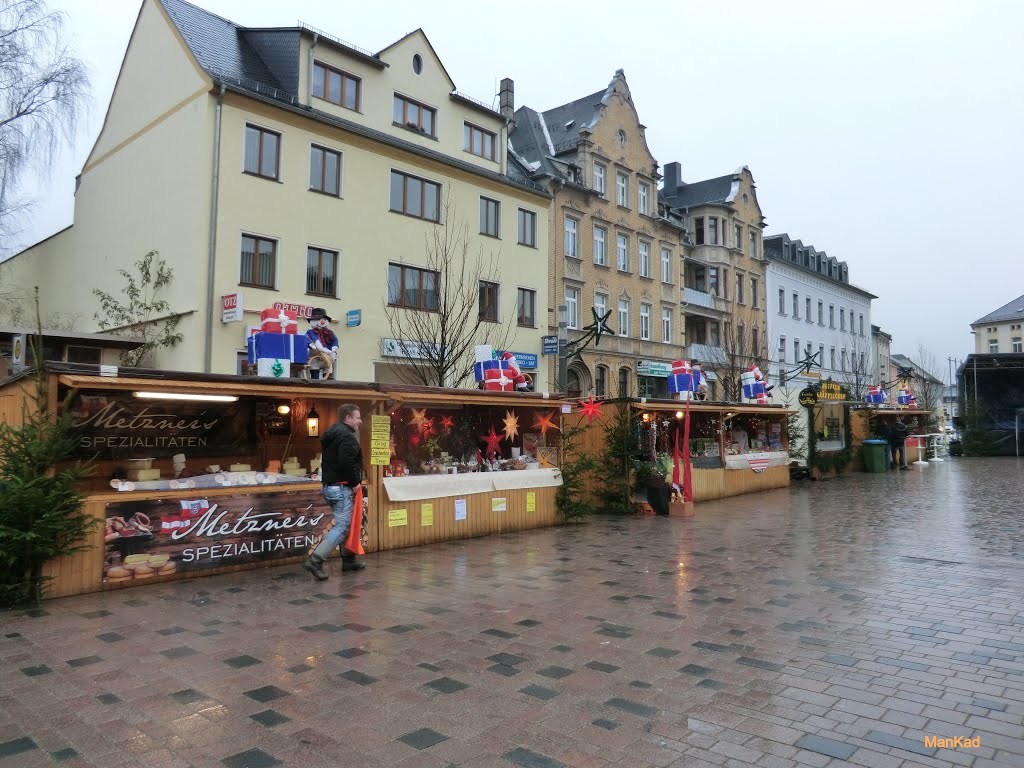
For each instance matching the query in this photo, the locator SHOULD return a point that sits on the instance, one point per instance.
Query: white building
(819, 324)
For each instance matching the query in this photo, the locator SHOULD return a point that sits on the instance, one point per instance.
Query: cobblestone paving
(833, 623)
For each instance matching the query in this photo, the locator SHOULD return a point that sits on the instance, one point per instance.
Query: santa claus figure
(323, 345)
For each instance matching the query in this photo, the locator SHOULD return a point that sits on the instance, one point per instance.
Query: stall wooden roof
(706, 407)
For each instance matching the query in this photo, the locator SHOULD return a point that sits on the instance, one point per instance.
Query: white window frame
(666, 266)
(621, 252)
(643, 197)
(645, 259)
(600, 303)
(666, 325)
(601, 254)
(572, 307)
(645, 321)
(572, 242)
(623, 317)
(621, 189)
(600, 178)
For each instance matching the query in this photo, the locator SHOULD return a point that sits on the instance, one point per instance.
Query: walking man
(898, 441)
(342, 470)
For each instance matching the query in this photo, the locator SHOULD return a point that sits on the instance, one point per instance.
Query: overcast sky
(886, 132)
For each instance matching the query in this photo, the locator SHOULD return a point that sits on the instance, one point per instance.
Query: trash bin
(874, 455)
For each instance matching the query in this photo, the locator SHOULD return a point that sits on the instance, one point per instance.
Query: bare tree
(928, 386)
(860, 370)
(739, 354)
(43, 90)
(450, 308)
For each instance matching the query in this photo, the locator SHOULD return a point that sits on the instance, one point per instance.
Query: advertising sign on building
(525, 359)
(653, 368)
(300, 310)
(164, 537)
(549, 345)
(830, 390)
(418, 350)
(232, 307)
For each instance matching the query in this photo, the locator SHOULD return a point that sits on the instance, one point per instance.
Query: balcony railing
(699, 298)
(706, 353)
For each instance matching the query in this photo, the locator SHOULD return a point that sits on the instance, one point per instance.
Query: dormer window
(415, 116)
(336, 86)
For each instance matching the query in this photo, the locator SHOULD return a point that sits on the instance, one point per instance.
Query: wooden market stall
(866, 422)
(197, 474)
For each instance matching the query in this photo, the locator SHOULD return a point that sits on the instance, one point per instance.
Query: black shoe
(904, 467)
(349, 562)
(315, 565)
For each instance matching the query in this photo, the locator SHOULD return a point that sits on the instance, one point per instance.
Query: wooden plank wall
(81, 571)
(480, 519)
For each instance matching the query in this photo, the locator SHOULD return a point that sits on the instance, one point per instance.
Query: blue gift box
(488, 365)
(680, 382)
(280, 346)
(751, 391)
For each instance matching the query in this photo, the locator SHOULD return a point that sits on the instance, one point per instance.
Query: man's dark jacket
(342, 455)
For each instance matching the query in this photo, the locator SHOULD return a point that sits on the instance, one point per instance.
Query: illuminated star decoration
(418, 417)
(493, 440)
(590, 409)
(544, 422)
(592, 332)
(427, 428)
(511, 423)
(447, 422)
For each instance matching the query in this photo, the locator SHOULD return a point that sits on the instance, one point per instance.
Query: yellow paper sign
(531, 501)
(398, 518)
(498, 505)
(426, 515)
(380, 423)
(380, 441)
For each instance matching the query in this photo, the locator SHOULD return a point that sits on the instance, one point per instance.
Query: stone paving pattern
(833, 623)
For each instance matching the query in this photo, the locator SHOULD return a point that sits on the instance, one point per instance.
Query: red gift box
(279, 321)
(680, 366)
(498, 380)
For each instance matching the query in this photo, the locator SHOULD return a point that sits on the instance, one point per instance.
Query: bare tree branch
(446, 337)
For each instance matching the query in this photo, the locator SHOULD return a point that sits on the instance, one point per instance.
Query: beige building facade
(724, 275)
(612, 247)
(289, 168)
(1000, 331)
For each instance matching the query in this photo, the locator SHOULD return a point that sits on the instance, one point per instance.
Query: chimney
(673, 174)
(507, 98)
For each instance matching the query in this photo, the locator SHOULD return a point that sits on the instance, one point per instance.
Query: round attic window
(622, 137)
(417, 63)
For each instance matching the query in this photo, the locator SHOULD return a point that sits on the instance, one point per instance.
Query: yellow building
(724, 297)
(612, 248)
(292, 169)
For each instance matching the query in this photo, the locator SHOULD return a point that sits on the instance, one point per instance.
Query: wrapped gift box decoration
(876, 394)
(483, 353)
(279, 321)
(278, 346)
(904, 397)
(481, 367)
(276, 368)
(680, 382)
(498, 380)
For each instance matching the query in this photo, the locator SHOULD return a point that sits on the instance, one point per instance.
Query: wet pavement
(833, 623)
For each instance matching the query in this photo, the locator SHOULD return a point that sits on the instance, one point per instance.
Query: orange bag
(354, 540)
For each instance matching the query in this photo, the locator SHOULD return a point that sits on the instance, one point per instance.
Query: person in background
(884, 431)
(342, 470)
(898, 442)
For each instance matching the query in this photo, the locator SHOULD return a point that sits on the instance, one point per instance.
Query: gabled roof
(564, 122)
(419, 31)
(710, 191)
(1012, 311)
(221, 47)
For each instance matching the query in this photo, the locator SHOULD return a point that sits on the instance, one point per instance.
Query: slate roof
(1012, 311)
(708, 191)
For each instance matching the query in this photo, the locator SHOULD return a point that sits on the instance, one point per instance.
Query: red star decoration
(590, 409)
(493, 440)
(427, 428)
(447, 422)
(544, 422)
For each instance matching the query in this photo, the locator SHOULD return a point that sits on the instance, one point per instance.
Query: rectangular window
(490, 211)
(796, 350)
(623, 317)
(993, 346)
(415, 116)
(755, 339)
(622, 253)
(712, 230)
(262, 150)
(725, 283)
(488, 301)
(572, 245)
(600, 246)
(821, 355)
(807, 310)
(666, 265)
(645, 259)
(416, 197)
(622, 189)
(1016, 343)
(698, 230)
(324, 170)
(526, 314)
(600, 304)
(477, 141)
(336, 86)
(860, 322)
(643, 198)
(714, 334)
(527, 228)
(601, 380)
(321, 272)
(412, 288)
(796, 305)
(753, 244)
(831, 317)
(739, 289)
(782, 301)
(645, 321)
(832, 358)
(842, 319)
(754, 300)
(599, 179)
(842, 361)
(782, 349)
(259, 262)
(666, 325)
(572, 307)
(738, 234)
(713, 280)
(821, 310)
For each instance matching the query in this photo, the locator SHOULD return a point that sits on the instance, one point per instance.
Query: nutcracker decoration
(322, 343)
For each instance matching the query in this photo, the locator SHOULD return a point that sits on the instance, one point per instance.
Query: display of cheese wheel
(142, 569)
(158, 560)
(136, 559)
(168, 568)
(118, 579)
(117, 572)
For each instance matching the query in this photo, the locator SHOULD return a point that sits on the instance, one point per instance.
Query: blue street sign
(550, 345)
(353, 317)
(525, 360)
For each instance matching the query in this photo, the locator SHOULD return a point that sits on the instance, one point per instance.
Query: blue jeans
(340, 499)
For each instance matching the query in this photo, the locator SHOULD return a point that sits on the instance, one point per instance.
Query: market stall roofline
(702, 407)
